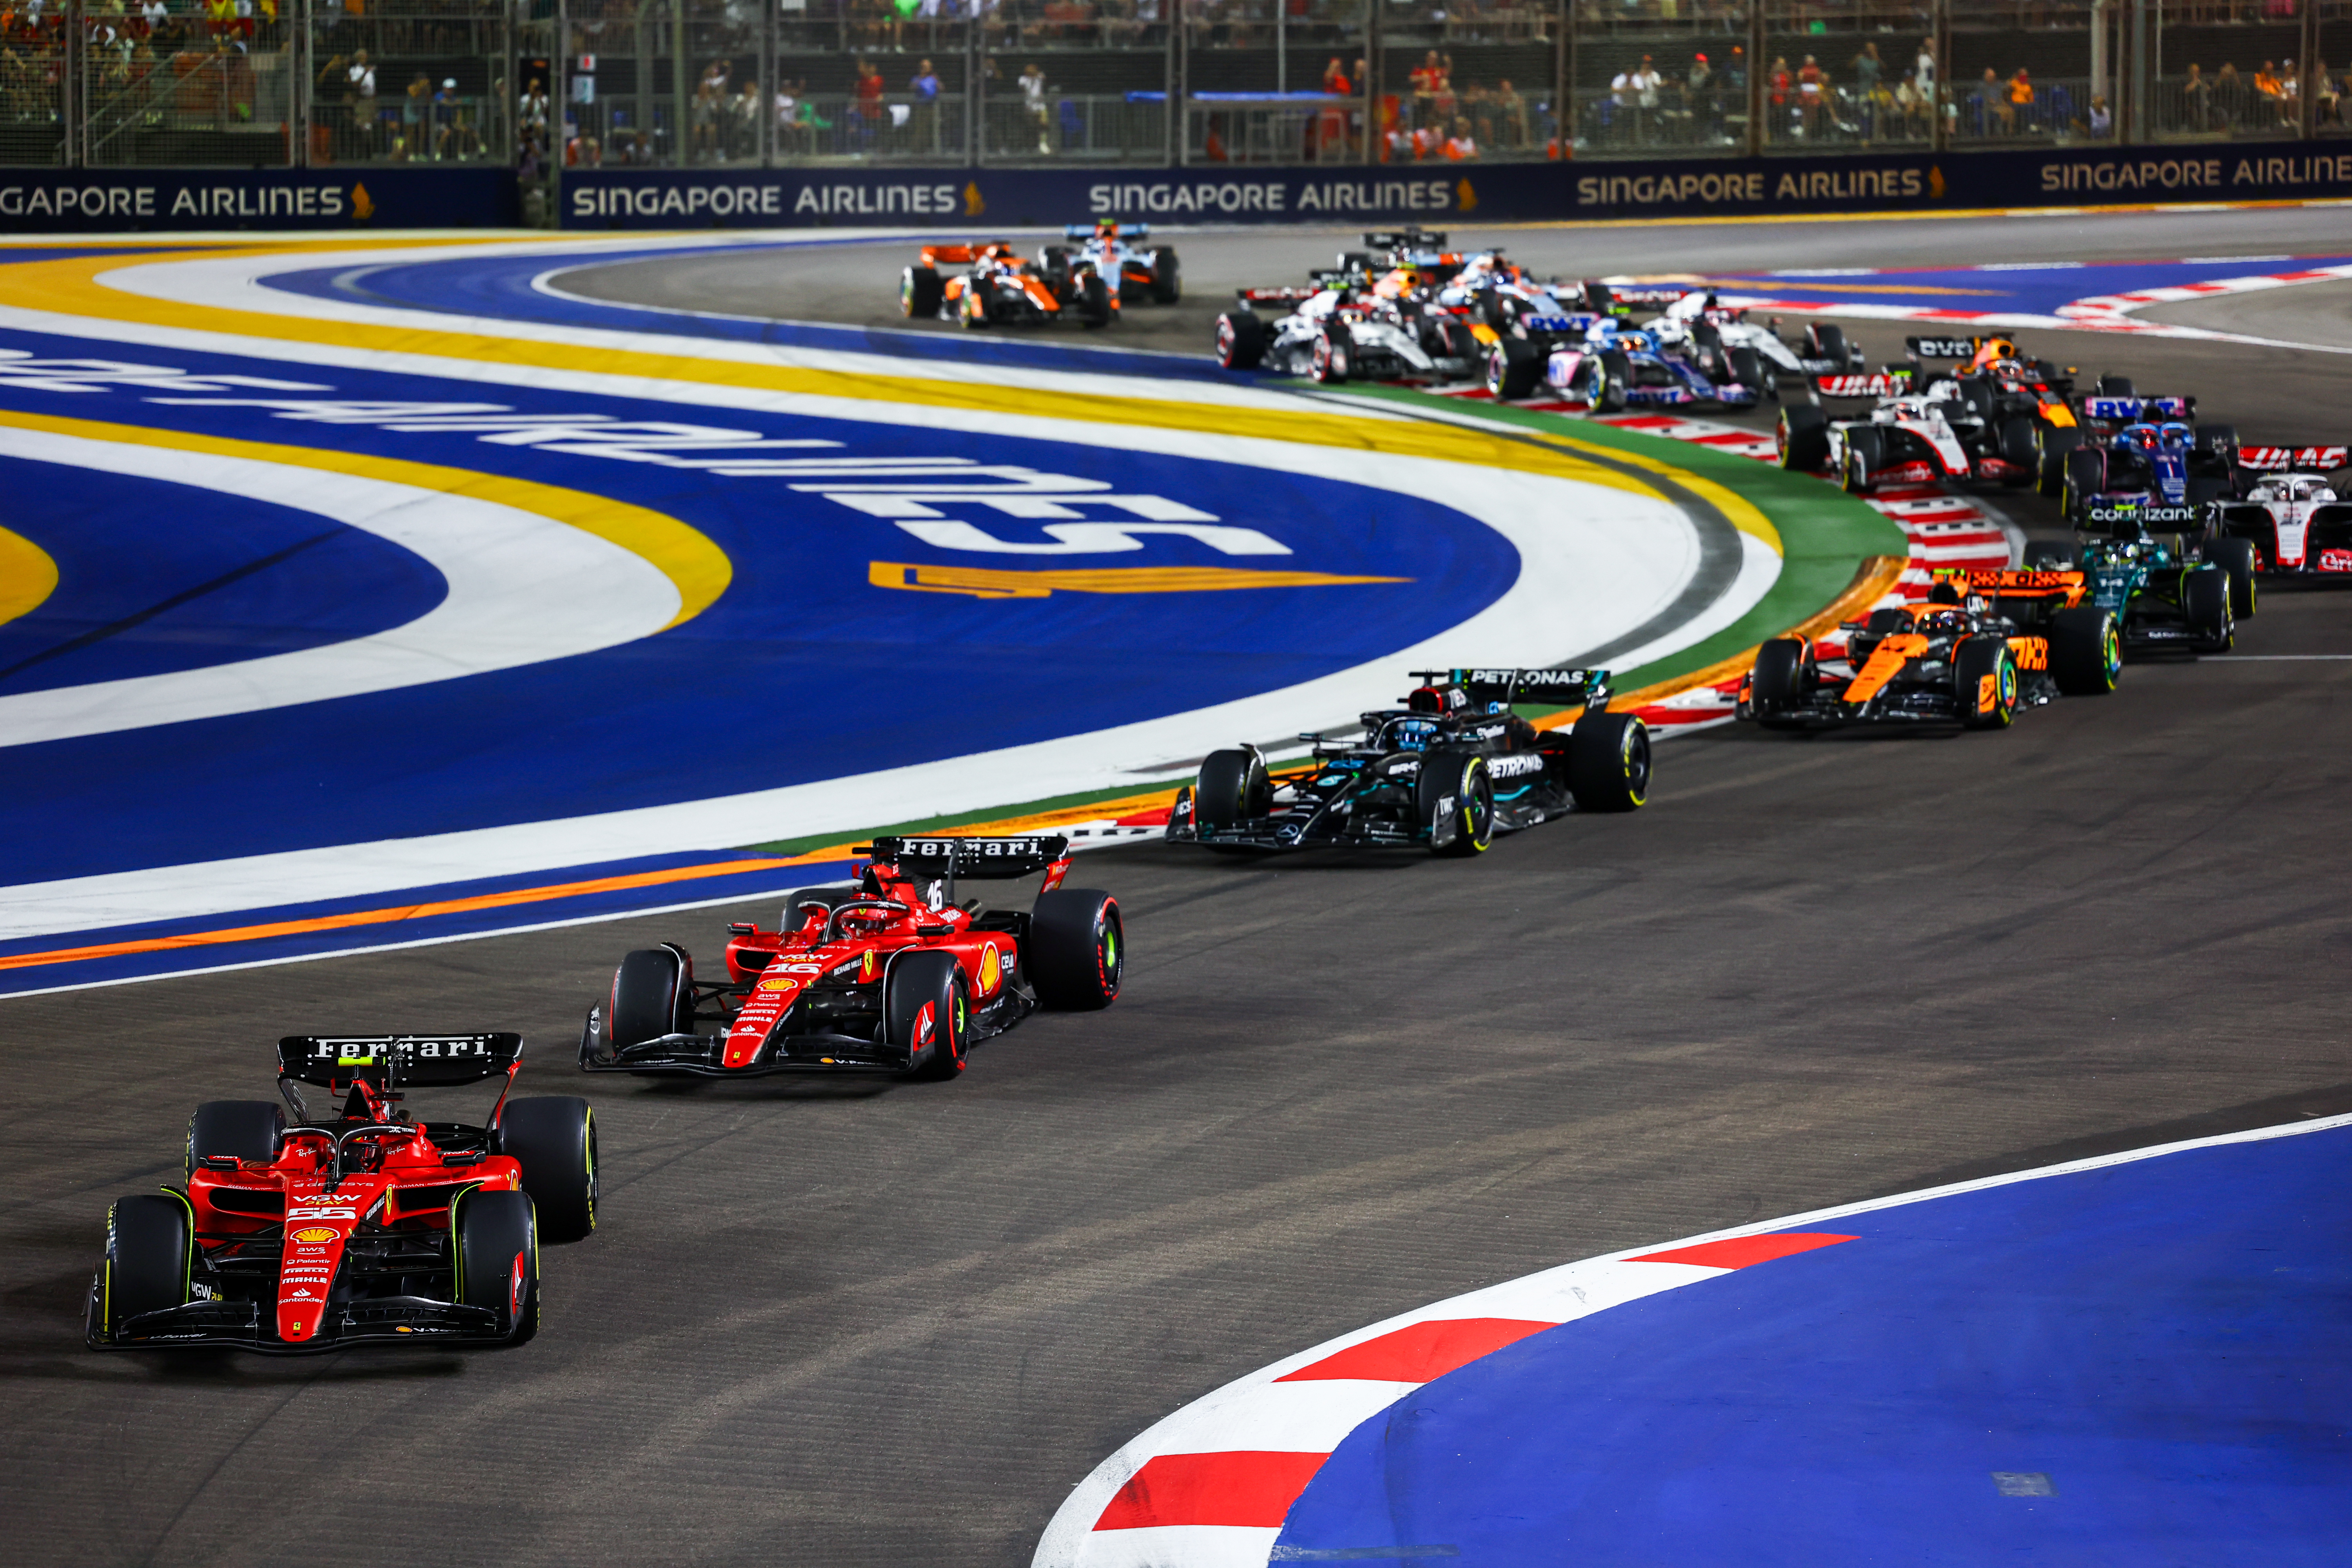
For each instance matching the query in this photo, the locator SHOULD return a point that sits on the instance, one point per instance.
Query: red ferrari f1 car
(363, 1227)
(892, 975)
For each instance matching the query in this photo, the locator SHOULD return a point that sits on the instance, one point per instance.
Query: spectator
(1425, 79)
(870, 116)
(1923, 77)
(2290, 99)
(2229, 96)
(2266, 82)
(534, 106)
(1647, 83)
(2197, 100)
(415, 109)
(1510, 115)
(2102, 121)
(1033, 99)
(1912, 106)
(1335, 79)
(2326, 103)
(1460, 145)
(1867, 69)
(743, 120)
(2021, 100)
(1812, 86)
(926, 88)
(1988, 106)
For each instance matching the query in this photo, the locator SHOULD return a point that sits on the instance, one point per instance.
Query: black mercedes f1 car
(1446, 773)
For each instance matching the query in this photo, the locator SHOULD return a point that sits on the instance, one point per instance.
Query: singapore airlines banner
(1453, 192)
(102, 201)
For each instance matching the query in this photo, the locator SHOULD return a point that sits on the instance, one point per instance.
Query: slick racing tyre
(1093, 300)
(921, 291)
(2086, 651)
(2115, 386)
(2236, 559)
(240, 1129)
(149, 1253)
(1616, 380)
(497, 1263)
(1608, 761)
(1747, 369)
(2205, 605)
(1456, 798)
(1781, 681)
(1076, 948)
(1803, 438)
(1232, 787)
(1984, 679)
(653, 995)
(1823, 340)
(2019, 448)
(554, 1139)
(1332, 352)
(1167, 277)
(1053, 260)
(1240, 340)
(2051, 445)
(1866, 454)
(2085, 481)
(1514, 368)
(926, 1011)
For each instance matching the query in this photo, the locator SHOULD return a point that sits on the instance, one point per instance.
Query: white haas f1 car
(2291, 515)
(1340, 330)
(1912, 439)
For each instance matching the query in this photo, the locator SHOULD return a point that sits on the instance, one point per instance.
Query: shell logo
(780, 984)
(988, 969)
(316, 1235)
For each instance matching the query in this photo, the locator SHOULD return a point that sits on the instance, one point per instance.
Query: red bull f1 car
(1446, 772)
(892, 975)
(1951, 660)
(362, 1226)
(2290, 514)
(997, 286)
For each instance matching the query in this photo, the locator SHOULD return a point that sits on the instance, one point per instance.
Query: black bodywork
(1443, 773)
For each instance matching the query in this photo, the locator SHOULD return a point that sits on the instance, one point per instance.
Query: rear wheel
(1240, 340)
(2086, 651)
(1167, 277)
(1985, 676)
(1456, 790)
(1076, 948)
(920, 290)
(1747, 369)
(652, 996)
(240, 1129)
(2019, 448)
(1865, 452)
(926, 1011)
(1828, 341)
(1232, 787)
(497, 1259)
(2235, 557)
(1514, 368)
(1608, 761)
(149, 1253)
(553, 1138)
(2115, 386)
(2205, 605)
(1803, 438)
(2051, 445)
(2087, 481)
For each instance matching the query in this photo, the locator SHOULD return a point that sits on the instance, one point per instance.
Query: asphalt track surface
(893, 1324)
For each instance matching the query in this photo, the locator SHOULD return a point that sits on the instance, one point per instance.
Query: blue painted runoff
(2023, 289)
(2144, 1365)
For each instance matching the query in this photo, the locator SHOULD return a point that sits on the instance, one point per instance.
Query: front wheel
(148, 1250)
(1094, 301)
(2086, 651)
(2205, 600)
(1608, 761)
(1240, 340)
(927, 1010)
(1513, 368)
(1231, 787)
(653, 995)
(1616, 376)
(1457, 800)
(1167, 277)
(1803, 438)
(920, 290)
(1984, 679)
(2236, 559)
(497, 1259)
(1329, 363)
(1076, 948)
(554, 1139)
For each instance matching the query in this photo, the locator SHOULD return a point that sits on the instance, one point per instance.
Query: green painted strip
(1825, 532)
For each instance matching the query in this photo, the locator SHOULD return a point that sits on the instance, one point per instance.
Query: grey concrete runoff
(893, 1324)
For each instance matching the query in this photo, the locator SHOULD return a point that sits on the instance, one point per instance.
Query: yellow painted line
(27, 575)
(699, 569)
(69, 287)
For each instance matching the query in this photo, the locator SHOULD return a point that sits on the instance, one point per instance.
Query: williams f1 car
(891, 975)
(2290, 514)
(1128, 271)
(1946, 661)
(998, 288)
(365, 1226)
(1446, 773)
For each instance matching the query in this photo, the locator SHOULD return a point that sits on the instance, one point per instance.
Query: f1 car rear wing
(1287, 296)
(396, 1061)
(2280, 460)
(1940, 348)
(1883, 384)
(1405, 239)
(1505, 687)
(983, 857)
(1125, 231)
(2130, 408)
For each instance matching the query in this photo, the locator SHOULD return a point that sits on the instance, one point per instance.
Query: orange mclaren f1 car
(998, 287)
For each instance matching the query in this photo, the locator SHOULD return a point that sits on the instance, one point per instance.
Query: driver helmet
(1995, 349)
(1412, 734)
(2140, 436)
(1105, 228)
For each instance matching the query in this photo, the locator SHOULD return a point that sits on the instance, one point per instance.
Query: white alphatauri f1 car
(2293, 516)
(1339, 330)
